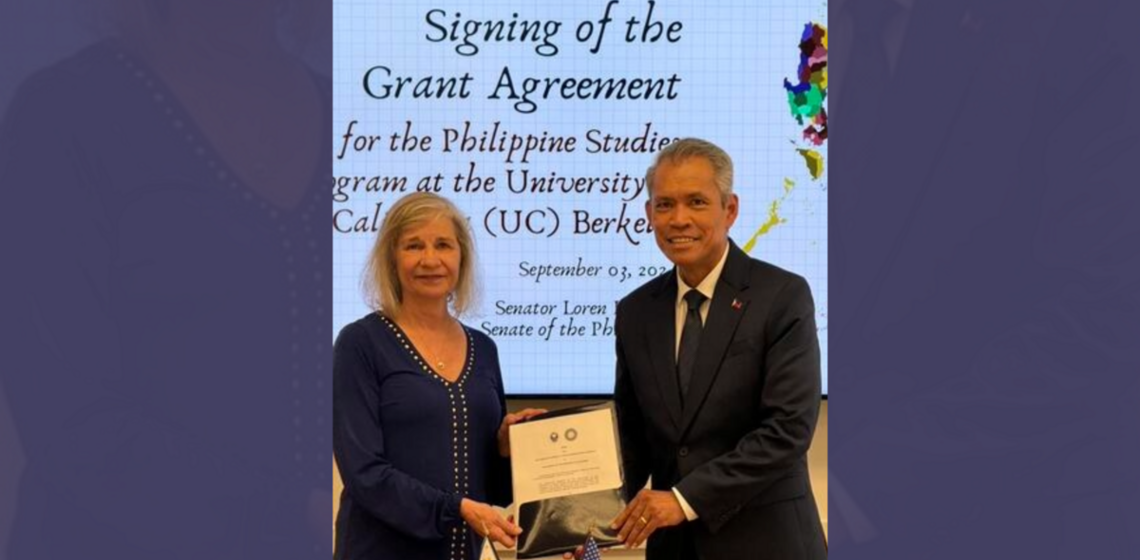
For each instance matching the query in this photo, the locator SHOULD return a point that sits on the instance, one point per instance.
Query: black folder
(557, 525)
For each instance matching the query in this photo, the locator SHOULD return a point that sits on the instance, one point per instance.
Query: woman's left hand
(508, 421)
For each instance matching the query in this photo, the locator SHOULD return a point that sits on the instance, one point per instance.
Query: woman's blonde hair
(381, 279)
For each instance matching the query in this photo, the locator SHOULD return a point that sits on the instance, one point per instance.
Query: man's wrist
(690, 513)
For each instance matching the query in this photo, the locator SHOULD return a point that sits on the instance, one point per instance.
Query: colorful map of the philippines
(807, 96)
(806, 100)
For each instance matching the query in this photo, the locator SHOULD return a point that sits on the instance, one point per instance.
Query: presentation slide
(539, 119)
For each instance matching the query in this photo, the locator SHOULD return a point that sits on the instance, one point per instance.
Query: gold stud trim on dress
(459, 415)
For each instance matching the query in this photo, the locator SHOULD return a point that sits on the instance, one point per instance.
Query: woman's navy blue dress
(410, 445)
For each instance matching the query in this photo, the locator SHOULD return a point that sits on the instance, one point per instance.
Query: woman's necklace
(433, 355)
(439, 364)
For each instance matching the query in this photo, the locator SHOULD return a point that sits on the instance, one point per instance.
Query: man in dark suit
(718, 383)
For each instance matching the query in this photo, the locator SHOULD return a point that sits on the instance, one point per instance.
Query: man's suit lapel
(725, 311)
(660, 337)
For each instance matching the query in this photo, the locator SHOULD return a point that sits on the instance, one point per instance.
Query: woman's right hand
(488, 523)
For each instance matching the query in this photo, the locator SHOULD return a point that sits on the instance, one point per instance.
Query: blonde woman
(420, 422)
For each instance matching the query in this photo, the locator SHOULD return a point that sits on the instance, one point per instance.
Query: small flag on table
(590, 551)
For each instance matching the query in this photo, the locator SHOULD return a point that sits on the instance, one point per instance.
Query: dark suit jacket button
(684, 452)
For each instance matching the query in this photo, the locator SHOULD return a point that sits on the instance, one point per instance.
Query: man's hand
(508, 421)
(649, 511)
(488, 523)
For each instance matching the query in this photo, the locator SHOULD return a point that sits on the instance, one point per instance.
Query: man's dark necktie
(690, 339)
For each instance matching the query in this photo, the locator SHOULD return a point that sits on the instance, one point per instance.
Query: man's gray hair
(685, 148)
